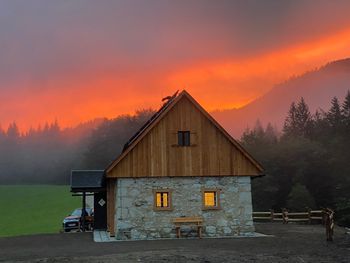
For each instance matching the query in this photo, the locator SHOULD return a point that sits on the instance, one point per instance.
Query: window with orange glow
(162, 200)
(210, 199)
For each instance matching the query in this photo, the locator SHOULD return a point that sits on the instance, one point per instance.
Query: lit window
(183, 138)
(162, 200)
(210, 199)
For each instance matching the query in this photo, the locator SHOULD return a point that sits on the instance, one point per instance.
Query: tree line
(42, 155)
(308, 163)
(47, 155)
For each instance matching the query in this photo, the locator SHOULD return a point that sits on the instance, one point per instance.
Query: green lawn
(34, 209)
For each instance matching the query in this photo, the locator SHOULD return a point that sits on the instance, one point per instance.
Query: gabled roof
(149, 122)
(160, 114)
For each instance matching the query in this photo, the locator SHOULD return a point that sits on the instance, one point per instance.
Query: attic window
(183, 138)
(162, 200)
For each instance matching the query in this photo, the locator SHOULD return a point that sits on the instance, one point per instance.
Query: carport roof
(87, 180)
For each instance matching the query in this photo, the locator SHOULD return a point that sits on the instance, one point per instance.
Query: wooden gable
(213, 152)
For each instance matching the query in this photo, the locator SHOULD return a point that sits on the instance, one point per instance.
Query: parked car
(74, 220)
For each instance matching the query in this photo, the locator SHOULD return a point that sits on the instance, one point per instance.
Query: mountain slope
(317, 88)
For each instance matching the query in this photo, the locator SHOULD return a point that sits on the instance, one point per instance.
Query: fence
(324, 216)
(309, 217)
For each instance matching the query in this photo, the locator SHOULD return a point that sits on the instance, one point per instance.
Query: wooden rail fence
(324, 216)
(284, 216)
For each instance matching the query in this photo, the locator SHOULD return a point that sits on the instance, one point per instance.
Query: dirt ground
(289, 243)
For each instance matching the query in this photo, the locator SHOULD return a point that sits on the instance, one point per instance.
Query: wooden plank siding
(211, 152)
(111, 194)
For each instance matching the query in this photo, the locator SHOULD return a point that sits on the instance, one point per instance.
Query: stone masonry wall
(136, 218)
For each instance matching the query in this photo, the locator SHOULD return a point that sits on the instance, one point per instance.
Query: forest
(46, 155)
(306, 164)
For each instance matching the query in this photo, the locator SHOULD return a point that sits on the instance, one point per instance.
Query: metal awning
(87, 181)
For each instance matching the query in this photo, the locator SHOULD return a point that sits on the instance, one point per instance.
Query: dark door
(100, 211)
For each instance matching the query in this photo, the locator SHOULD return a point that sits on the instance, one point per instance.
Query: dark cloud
(40, 37)
(47, 44)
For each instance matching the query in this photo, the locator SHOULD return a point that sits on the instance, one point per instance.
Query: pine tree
(299, 121)
(334, 115)
(320, 126)
(13, 131)
(345, 110)
(289, 127)
(55, 127)
(270, 134)
(2, 135)
(255, 136)
(259, 130)
(300, 198)
(247, 137)
(303, 118)
(31, 132)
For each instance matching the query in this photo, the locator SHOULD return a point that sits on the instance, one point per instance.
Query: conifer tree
(2, 134)
(55, 127)
(345, 110)
(13, 131)
(259, 130)
(289, 127)
(303, 118)
(270, 134)
(334, 115)
(246, 137)
(300, 198)
(299, 121)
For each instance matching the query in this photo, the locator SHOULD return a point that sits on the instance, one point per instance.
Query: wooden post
(111, 192)
(200, 231)
(178, 231)
(83, 212)
(272, 215)
(285, 216)
(324, 216)
(329, 222)
(309, 215)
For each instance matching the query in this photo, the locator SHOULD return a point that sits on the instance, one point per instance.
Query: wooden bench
(191, 221)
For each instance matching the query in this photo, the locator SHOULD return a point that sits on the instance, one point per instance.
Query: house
(180, 164)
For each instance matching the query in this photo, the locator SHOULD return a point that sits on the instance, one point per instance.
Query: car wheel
(67, 230)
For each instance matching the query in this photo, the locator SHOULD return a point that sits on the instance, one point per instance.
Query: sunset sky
(81, 59)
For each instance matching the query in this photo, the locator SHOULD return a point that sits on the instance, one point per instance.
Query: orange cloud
(246, 79)
(217, 84)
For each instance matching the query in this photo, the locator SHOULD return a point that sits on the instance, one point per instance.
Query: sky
(75, 60)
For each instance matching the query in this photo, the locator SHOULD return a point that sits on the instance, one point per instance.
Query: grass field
(34, 209)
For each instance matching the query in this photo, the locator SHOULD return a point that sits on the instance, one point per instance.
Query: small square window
(210, 199)
(162, 200)
(183, 138)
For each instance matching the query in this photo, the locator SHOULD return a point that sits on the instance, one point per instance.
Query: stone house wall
(136, 219)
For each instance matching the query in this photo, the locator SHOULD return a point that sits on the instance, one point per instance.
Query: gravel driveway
(289, 243)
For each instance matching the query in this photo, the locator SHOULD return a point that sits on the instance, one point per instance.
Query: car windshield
(77, 212)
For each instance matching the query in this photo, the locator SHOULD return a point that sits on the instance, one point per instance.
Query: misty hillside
(317, 87)
(47, 155)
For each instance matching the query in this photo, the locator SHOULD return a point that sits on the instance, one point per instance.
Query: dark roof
(87, 180)
(149, 122)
